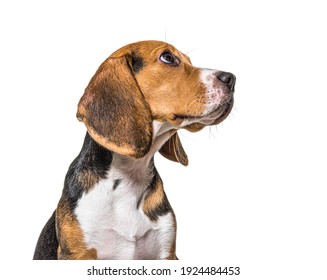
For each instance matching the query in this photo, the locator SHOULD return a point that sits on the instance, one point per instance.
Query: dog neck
(138, 170)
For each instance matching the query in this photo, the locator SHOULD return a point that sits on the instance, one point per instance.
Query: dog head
(152, 81)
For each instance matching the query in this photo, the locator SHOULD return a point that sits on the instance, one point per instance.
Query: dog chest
(113, 222)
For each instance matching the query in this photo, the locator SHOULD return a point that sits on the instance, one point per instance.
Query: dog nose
(227, 78)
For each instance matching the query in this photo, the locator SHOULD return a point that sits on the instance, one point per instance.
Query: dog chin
(218, 115)
(223, 112)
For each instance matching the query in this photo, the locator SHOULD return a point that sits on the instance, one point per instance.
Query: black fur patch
(116, 183)
(86, 170)
(160, 210)
(47, 244)
(137, 63)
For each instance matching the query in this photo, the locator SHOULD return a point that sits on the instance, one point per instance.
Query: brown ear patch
(114, 110)
(173, 150)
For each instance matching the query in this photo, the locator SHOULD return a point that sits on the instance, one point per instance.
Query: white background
(254, 193)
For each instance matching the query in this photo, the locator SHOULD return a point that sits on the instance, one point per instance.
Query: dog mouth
(212, 118)
(222, 113)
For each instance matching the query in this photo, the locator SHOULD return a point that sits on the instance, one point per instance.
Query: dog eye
(168, 58)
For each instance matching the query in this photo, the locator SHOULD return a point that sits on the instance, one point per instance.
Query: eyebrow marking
(137, 62)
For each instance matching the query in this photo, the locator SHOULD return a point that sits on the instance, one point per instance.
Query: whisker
(195, 49)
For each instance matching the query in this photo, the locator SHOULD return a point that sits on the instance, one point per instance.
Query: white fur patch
(214, 93)
(116, 228)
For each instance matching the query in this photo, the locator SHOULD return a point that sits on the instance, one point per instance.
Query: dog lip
(217, 115)
(180, 116)
(214, 114)
(225, 112)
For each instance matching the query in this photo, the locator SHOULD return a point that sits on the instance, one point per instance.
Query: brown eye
(168, 58)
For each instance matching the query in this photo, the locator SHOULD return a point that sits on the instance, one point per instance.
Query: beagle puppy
(113, 204)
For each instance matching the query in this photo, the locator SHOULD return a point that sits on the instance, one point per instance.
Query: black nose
(227, 78)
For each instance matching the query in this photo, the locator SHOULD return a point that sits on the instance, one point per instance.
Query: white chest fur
(115, 225)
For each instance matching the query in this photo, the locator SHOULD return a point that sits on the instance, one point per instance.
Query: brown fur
(154, 198)
(174, 150)
(71, 243)
(87, 179)
(166, 98)
(149, 94)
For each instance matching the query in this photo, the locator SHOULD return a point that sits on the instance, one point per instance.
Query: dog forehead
(145, 49)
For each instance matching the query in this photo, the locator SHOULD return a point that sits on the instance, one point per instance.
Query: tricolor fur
(113, 205)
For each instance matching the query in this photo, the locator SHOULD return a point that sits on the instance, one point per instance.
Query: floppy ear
(174, 150)
(114, 110)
